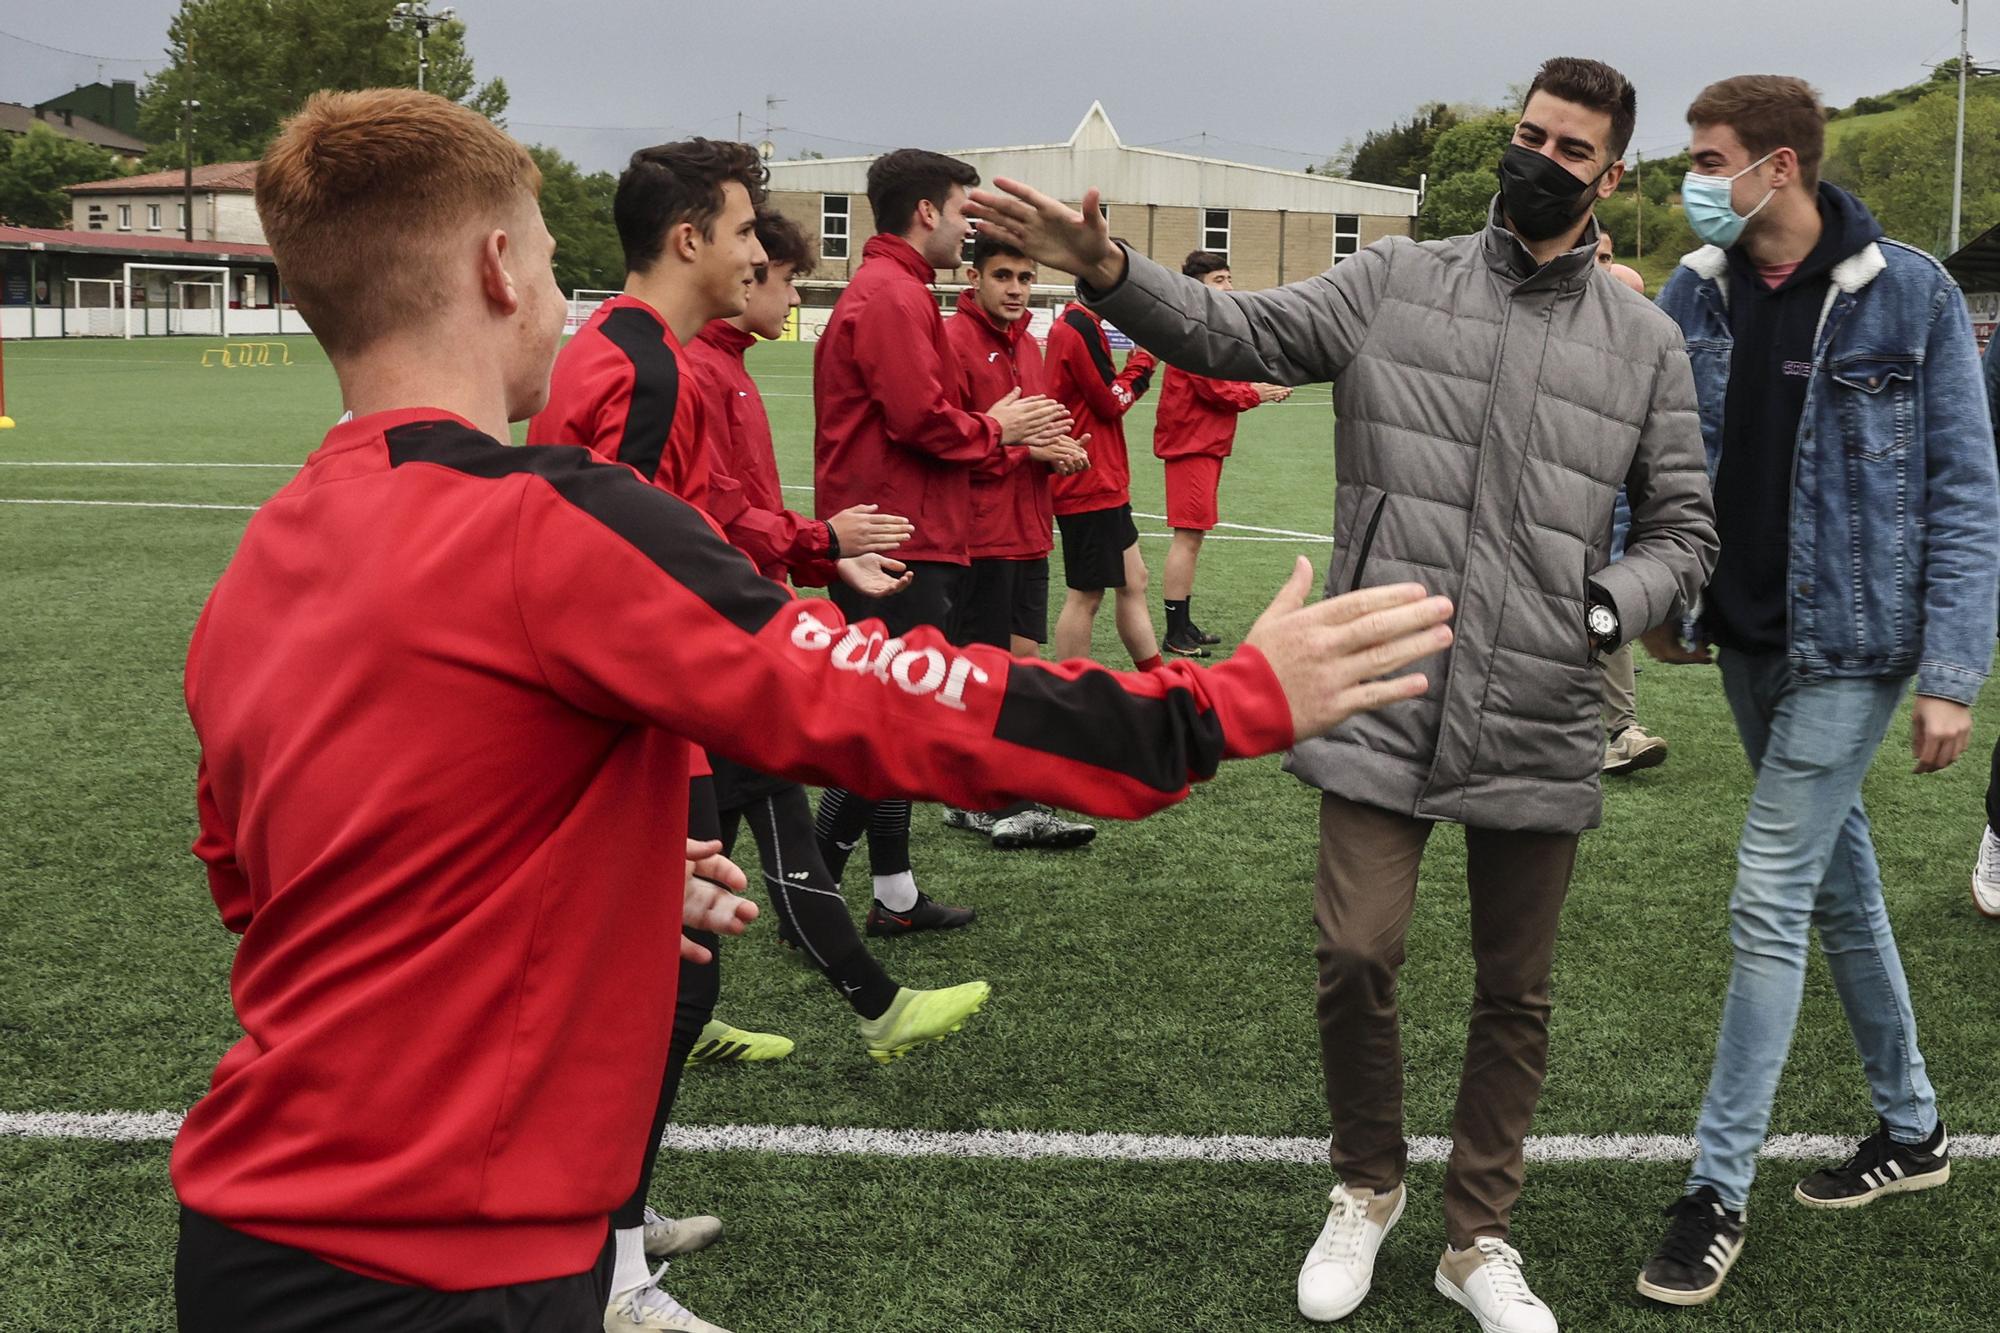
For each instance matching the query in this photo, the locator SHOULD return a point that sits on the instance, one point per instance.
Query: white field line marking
(1250, 527)
(1225, 537)
(11, 462)
(1033, 1145)
(130, 504)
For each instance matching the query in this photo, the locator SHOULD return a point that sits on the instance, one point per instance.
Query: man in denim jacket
(1856, 497)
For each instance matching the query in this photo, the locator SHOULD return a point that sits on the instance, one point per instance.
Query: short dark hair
(785, 242)
(1594, 84)
(672, 183)
(1768, 112)
(898, 181)
(1201, 263)
(986, 248)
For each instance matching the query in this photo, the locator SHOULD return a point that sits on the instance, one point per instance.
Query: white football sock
(896, 892)
(629, 1268)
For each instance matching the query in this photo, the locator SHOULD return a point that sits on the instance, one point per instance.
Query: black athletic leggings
(1993, 792)
(809, 907)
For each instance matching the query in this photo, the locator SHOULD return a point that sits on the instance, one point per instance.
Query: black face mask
(1541, 198)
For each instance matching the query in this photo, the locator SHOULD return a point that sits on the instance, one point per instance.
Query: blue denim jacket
(1895, 528)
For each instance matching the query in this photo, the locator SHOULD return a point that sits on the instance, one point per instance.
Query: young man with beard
(1094, 507)
(888, 427)
(1006, 598)
(1855, 491)
(1193, 432)
(1508, 388)
(444, 697)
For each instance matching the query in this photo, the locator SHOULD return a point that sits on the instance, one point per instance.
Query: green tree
(1458, 204)
(35, 166)
(577, 208)
(1464, 174)
(1903, 171)
(1401, 153)
(251, 63)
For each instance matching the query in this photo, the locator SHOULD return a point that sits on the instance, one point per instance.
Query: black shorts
(929, 600)
(1093, 547)
(1002, 598)
(226, 1281)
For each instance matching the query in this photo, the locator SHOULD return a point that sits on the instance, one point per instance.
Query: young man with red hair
(444, 696)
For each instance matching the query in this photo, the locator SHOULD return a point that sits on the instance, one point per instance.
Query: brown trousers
(1368, 861)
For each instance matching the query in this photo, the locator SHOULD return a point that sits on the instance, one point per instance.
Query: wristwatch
(1603, 622)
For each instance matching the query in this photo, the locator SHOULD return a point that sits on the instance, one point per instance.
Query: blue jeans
(1806, 861)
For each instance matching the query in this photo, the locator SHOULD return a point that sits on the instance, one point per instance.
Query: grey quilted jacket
(1488, 411)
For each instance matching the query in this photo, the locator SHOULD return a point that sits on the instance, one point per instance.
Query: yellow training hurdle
(237, 354)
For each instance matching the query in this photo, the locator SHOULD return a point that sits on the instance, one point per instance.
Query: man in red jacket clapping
(888, 428)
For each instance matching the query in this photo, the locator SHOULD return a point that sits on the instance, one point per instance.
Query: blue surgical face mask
(1709, 208)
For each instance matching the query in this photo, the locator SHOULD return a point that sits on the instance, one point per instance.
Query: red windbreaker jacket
(888, 429)
(617, 390)
(1098, 395)
(745, 495)
(1197, 415)
(444, 694)
(1012, 515)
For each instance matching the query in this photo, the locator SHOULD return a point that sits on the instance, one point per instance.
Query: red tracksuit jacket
(1197, 415)
(617, 389)
(444, 695)
(745, 495)
(888, 429)
(1098, 395)
(1012, 517)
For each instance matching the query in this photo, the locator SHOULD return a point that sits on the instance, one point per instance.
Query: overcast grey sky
(1284, 82)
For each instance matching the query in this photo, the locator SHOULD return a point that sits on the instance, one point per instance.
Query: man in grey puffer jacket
(1493, 391)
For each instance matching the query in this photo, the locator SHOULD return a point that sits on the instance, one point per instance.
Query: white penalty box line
(1042, 1145)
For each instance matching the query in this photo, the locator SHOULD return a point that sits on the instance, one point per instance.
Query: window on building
(1215, 230)
(180, 217)
(124, 217)
(965, 251)
(97, 218)
(1346, 235)
(833, 226)
(152, 217)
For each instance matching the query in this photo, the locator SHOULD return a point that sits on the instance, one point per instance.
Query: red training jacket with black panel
(1082, 378)
(887, 425)
(618, 390)
(1012, 517)
(444, 695)
(1197, 415)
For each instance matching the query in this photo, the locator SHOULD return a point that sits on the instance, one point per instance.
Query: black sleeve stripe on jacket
(1092, 720)
(656, 377)
(661, 527)
(1143, 381)
(1093, 340)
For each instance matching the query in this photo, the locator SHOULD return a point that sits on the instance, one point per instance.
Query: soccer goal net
(583, 303)
(175, 299)
(99, 306)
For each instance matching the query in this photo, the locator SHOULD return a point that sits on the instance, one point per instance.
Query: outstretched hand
(1333, 658)
(708, 899)
(863, 528)
(874, 575)
(1049, 231)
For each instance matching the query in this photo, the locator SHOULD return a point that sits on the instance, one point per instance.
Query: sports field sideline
(1125, 1139)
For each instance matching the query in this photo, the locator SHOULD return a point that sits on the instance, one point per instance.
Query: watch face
(1602, 621)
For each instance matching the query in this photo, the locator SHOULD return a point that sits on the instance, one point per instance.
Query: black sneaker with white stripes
(1702, 1241)
(1880, 1166)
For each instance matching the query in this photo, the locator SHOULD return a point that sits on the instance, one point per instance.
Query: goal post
(221, 279)
(97, 300)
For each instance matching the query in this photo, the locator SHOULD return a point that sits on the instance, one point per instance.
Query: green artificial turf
(1159, 982)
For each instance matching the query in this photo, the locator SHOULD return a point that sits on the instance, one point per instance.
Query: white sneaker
(1486, 1279)
(669, 1236)
(1340, 1267)
(1986, 876)
(648, 1308)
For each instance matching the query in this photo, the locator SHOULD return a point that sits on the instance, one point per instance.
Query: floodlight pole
(1958, 152)
(188, 108)
(412, 14)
